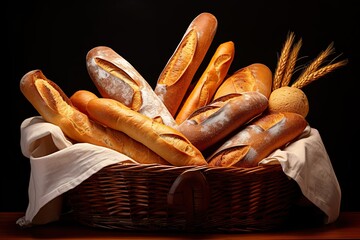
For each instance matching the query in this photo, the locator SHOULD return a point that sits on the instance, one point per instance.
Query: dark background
(55, 36)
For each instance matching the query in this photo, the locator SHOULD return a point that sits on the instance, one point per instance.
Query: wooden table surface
(346, 227)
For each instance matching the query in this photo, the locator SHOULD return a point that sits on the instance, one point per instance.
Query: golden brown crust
(214, 122)
(80, 98)
(167, 142)
(289, 99)
(209, 81)
(116, 78)
(179, 71)
(255, 77)
(258, 139)
(55, 107)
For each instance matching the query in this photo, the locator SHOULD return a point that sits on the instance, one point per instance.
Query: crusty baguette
(254, 77)
(164, 140)
(116, 78)
(209, 81)
(179, 71)
(80, 98)
(55, 107)
(214, 122)
(258, 139)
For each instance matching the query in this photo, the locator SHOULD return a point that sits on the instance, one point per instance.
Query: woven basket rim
(155, 197)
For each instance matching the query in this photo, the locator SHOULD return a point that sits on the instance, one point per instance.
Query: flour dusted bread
(176, 77)
(217, 120)
(55, 107)
(254, 77)
(116, 78)
(164, 140)
(258, 139)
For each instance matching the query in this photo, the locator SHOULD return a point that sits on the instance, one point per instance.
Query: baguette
(258, 139)
(164, 140)
(255, 77)
(80, 99)
(214, 122)
(176, 77)
(209, 81)
(55, 107)
(116, 78)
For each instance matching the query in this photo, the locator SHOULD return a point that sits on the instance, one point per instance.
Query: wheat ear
(314, 65)
(312, 76)
(290, 66)
(281, 66)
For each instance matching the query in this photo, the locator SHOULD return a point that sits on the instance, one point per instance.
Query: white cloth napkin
(57, 166)
(307, 162)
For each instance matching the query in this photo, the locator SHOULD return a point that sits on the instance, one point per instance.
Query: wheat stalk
(312, 76)
(287, 65)
(280, 69)
(316, 63)
(290, 66)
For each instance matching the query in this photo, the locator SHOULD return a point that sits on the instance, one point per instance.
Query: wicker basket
(152, 197)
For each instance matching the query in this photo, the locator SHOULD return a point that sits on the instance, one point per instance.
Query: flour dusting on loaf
(258, 139)
(212, 123)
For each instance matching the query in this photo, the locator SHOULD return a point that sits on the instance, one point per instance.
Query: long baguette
(164, 140)
(209, 81)
(214, 122)
(80, 98)
(55, 107)
(116, 78)
(258, 139)
(176, 77)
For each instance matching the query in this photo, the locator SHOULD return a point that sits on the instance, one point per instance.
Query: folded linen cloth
(307, 162)
(58, 165)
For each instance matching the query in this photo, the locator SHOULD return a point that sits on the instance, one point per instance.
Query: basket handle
(190, 193)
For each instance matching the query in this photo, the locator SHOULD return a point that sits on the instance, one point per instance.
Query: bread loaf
(209, 81)
(289, 99)
(217, 120)
(258, 139)
(164, 140)
(55, 107)
(179, 71)
(255, 77)
(116, 78)
(80, 98)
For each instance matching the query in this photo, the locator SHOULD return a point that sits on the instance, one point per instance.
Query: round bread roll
(289, 99)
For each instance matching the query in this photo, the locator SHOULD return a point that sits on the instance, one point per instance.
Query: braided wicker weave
(153, 197)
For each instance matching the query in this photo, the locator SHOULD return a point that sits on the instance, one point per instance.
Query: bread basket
(154, 197)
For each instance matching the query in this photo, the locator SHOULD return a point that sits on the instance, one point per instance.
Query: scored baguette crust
(214, 122)
(209, 81)
(258, 139)
(116, 78)
(162, 139)
(254, 77)
(176, 77)
(55, 107)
